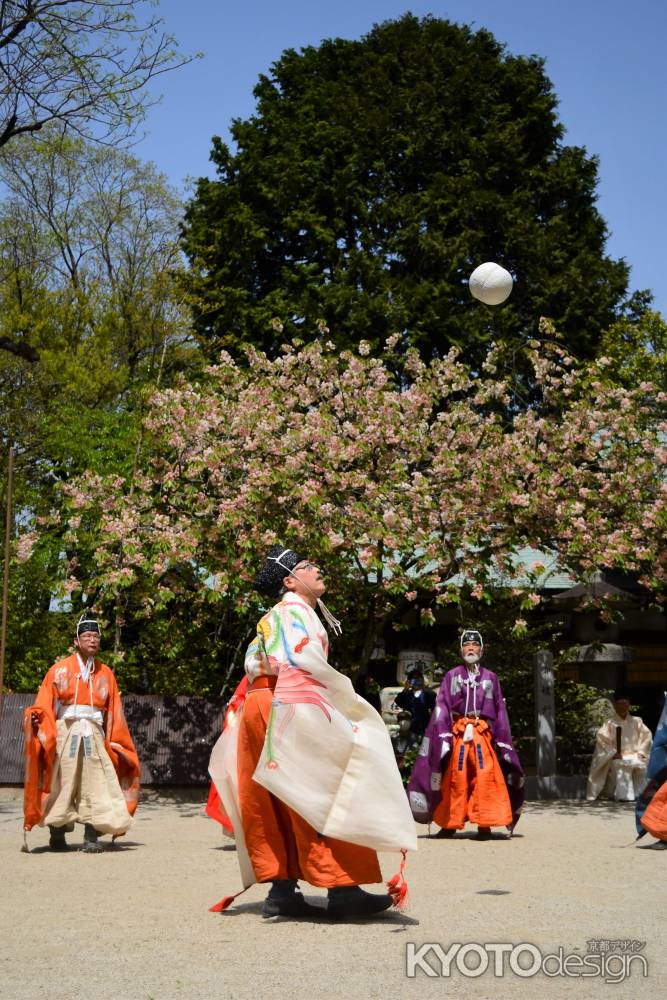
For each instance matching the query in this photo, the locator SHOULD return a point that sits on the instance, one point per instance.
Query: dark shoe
(351, 901)
(92, 847)
(484, 833)
(293, 906)
(57, 840)
(285, 900)
(91, 844)
(443, 834)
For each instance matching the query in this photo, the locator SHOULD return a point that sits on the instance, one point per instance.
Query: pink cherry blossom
(394, 484)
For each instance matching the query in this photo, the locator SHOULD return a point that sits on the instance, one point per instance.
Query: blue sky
(605, 58)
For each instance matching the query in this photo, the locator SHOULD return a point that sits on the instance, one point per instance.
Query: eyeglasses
(306, 565)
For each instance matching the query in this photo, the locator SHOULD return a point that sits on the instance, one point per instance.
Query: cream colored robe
(327, 753)
(619, 779)
(85, 785)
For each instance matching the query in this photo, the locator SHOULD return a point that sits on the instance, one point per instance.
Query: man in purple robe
(467, 767)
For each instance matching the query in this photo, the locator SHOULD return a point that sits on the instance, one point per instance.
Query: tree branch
(24, 351)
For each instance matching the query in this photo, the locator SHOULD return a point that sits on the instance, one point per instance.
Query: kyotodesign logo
(611, 960)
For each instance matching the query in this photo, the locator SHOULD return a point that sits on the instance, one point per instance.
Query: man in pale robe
(618, 767)
(81, 762)
(306, 771)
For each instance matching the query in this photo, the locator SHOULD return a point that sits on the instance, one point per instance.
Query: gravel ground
(132, 923)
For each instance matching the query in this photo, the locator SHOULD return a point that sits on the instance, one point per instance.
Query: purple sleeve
(426, 777)
(508, 758)
(502, 734)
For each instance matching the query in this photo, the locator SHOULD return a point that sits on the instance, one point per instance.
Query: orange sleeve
(40, 753)
(45, 696)
(121, 749)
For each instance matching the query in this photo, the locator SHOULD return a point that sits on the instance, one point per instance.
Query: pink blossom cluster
(403, 478)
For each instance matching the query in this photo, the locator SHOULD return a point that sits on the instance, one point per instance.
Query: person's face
(472, 652)
(306, 580)
(404, 725)
(417, 682)
(88, 644)
(622, 707)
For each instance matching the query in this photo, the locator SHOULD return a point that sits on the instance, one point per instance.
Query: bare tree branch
(84, 64)
(20, 350)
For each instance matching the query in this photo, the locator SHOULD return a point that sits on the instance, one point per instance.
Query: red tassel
(227, 901)
(398, 887)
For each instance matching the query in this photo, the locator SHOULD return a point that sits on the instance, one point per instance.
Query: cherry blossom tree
(408, 490)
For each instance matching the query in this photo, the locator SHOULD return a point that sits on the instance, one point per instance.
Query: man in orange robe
(295, 769)
(81, 763)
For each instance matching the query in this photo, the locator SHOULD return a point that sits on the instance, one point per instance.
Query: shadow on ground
(574, 807)
(393, 918)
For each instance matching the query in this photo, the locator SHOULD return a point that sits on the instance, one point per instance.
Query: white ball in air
(490, 283)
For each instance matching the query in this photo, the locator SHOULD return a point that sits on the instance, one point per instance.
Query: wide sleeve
(426, 778)
(121, 749)
(40, 751)
(645, 740)
(605, 738)
(46, 696)
(502, 733)
(508, 758)
(502, 738)
(605, 748)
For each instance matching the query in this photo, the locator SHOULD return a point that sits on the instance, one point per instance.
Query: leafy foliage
(409, 496)
(637, 351)
(372, 179)
(90, 323)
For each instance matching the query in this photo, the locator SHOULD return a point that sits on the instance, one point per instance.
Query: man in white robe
(622, 748)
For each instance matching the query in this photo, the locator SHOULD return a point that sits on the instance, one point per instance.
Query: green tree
(90, 323)
(637, 350)
(94, 229)
(374, 176)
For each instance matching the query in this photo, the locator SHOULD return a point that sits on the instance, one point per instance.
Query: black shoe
(285, 900)
(57, 840)
(91, 843)
(484, 833)
(351, 901)
(443, 834)
(92, 847)
(290, 906)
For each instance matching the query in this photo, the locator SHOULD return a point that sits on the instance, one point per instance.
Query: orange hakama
(474, 787)
(280, 843)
